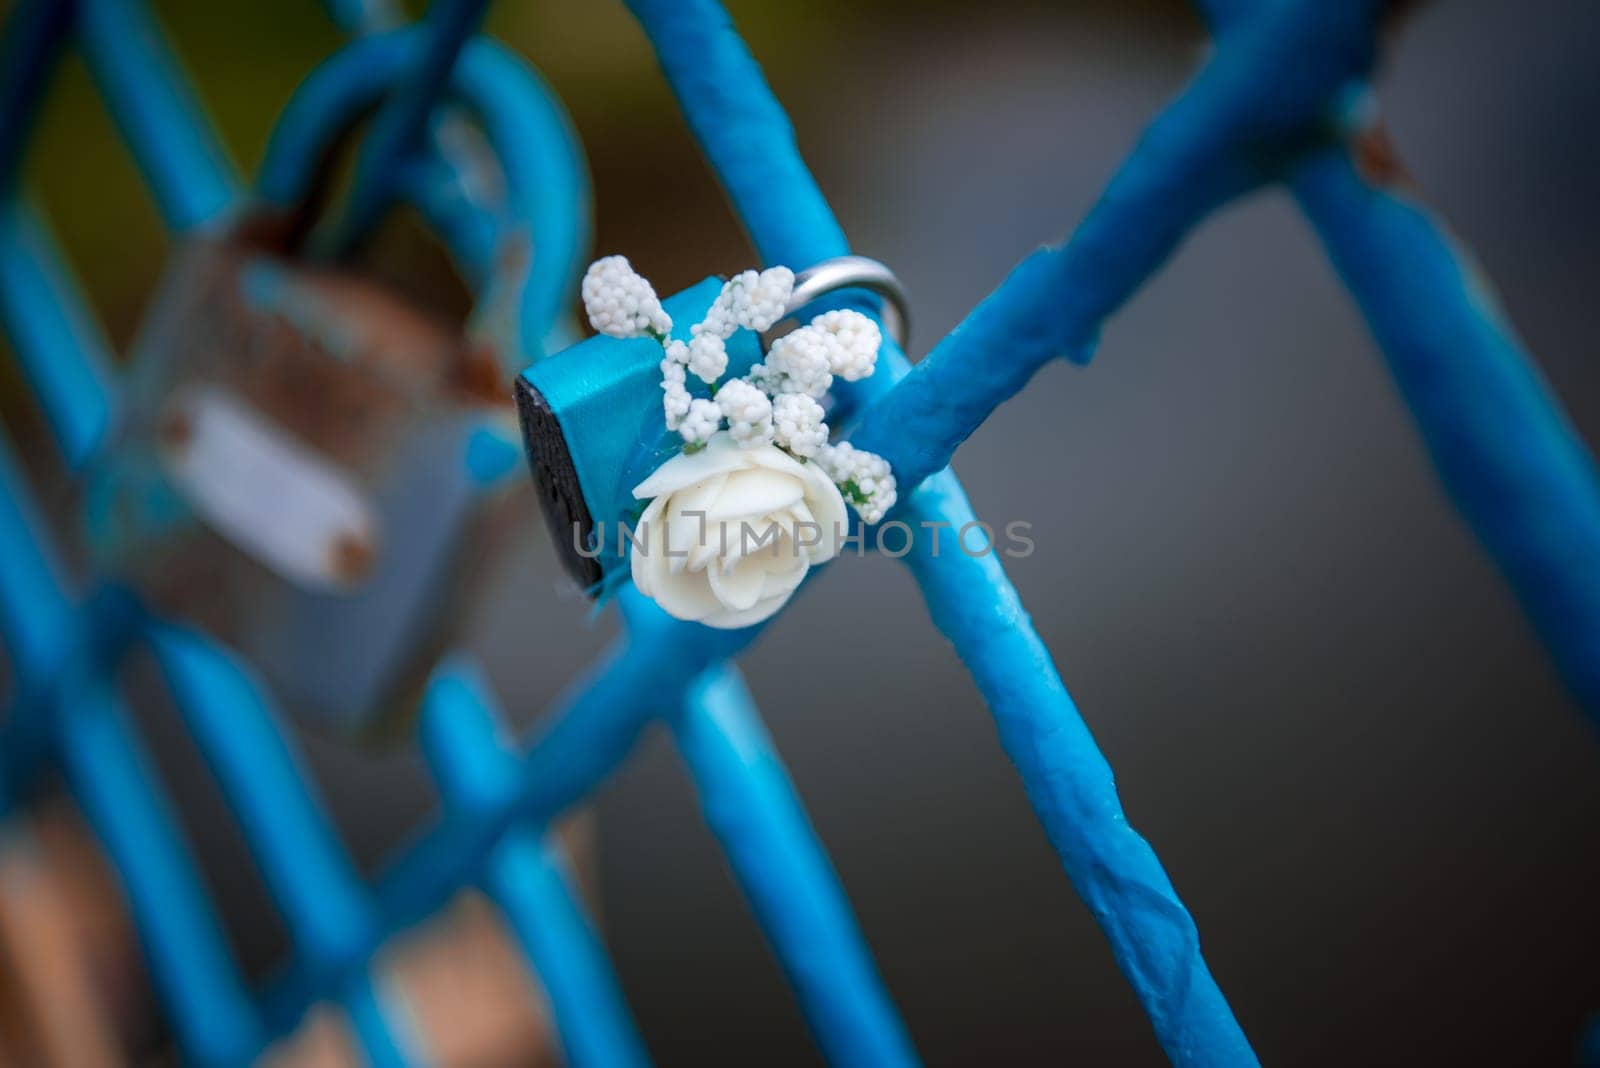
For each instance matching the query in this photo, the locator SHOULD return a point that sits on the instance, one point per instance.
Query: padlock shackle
(521, 253)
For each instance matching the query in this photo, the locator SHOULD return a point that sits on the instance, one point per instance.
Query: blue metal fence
(1501, 444)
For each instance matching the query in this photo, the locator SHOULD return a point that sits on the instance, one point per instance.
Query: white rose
(767, 518)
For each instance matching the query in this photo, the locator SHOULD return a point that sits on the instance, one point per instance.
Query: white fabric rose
(767, 519)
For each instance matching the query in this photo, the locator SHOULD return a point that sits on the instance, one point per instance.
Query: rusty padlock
(304, 472)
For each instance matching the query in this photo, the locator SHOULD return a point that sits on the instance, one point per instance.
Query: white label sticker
(263, 490)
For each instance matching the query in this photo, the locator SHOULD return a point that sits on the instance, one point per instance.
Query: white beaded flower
(708, 357)
(621, 302)
(749, 413)
(798, 425)
(801, 362)
(718, 321)
(856, 354)
(674, 392)
(863, 477)
(703, 420)
(759, 300)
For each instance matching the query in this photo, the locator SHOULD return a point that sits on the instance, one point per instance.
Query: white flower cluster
(797, 423)
(799, 363)
(674, 384)
(621, 302)
(755, 301)
(749, 412)
(863, 477)
(704, 417)
(778, 402)
(853, 354)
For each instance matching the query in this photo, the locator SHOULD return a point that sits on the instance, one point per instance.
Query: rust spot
(1377, 159)
(351, 557)
(176, 430)
(481, 376)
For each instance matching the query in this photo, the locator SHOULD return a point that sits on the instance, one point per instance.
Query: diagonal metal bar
(310, 875)
(1222, 137)
(529, 880)
(579, 744)
(38, 621)
(185, 949)
(381, 1024)
(1523, 480)
(527, 876)
(751, 806)
(30, 43)
(1513, 465)
(176, 149)
(56, 338)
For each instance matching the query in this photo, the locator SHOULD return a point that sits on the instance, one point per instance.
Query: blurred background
(1325, 710)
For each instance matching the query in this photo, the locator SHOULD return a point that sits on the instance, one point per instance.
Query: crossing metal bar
(576, 747)
(185, 950)
(527, 877)
(57, 341)
(1502, 446)
(1151, 933)
(751, 806)
(30, 43)
(381, 1023)
(1500, 441)
(529, 880)
(310, 875)
(1221, 137)
(183, 163)
(37, 616)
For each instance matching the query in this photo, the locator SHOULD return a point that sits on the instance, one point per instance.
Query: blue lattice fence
(1502, 446)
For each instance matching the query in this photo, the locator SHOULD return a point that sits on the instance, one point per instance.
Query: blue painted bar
(1072, 789)
(581, 742)
(529, 880)
(462, 741)
(527, 877)
(1516, 469)
(381, 1024)
(184, 948)
(742, 129)
(397, 131)
(184, 164)
(1221, 137)
(751, 806)
(722, 91)
(302, 861)
(59, 345)
(1152, 936)
(39, 627)
(36, 614)
(30, 43)
(576, 747)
